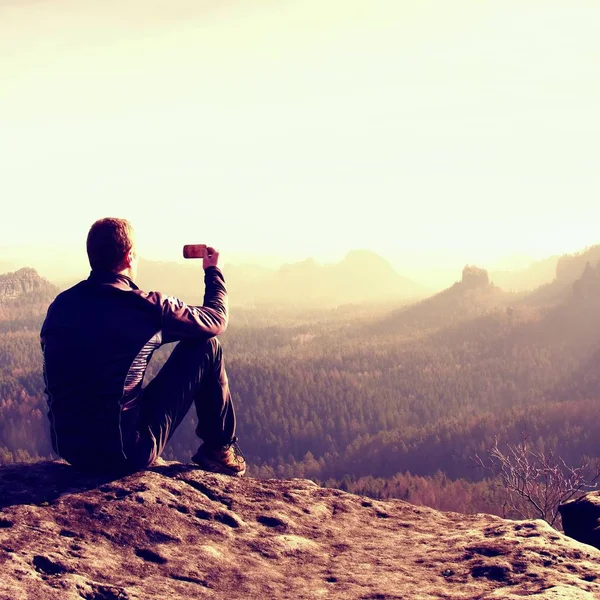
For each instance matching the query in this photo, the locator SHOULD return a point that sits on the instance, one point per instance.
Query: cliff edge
(174, 531)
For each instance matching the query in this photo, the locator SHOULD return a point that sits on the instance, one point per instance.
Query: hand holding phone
(209, 256)
(194, 250)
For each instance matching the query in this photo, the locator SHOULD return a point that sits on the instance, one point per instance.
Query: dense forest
(376, 399)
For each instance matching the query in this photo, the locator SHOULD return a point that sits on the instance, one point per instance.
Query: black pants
(194, 373)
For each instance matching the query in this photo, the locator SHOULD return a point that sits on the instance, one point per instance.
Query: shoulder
(69, 295)
(158, 300)
(151, 298)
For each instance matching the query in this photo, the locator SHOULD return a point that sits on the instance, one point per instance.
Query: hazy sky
(445, 130)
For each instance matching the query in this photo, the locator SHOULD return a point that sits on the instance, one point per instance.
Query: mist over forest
(357, 377)
(361, 275)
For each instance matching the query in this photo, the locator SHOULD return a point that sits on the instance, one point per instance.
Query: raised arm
(182, 321)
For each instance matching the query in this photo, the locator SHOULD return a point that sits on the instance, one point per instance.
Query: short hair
(108, 242)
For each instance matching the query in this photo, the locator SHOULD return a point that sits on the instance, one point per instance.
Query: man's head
(111, 246)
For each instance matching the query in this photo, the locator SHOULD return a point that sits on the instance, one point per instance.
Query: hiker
(97, 340)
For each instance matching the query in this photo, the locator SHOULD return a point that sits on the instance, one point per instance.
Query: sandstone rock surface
(174, 531)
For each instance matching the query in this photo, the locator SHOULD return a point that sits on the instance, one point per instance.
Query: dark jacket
(97, 340)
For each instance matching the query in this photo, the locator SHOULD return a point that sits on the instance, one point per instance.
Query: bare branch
(537, 481)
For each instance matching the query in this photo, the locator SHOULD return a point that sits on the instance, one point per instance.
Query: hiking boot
(227, 459)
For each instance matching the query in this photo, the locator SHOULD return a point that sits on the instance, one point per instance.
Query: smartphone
(194, 250)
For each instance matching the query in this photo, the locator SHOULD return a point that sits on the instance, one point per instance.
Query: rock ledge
(174, 531)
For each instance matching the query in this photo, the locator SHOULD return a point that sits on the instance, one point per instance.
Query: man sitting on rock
(97, 340)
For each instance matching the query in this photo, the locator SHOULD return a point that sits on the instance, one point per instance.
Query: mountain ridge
(362, 276)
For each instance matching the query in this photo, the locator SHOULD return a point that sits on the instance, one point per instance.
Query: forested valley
(379, 400)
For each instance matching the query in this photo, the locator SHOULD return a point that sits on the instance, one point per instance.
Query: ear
(129, 258)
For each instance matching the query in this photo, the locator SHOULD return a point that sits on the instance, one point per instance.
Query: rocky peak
(21, 282)
(174, 531)
(474, 277)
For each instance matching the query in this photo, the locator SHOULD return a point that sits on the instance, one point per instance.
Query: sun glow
(432, 133)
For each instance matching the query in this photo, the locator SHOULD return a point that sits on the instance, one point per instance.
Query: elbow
(223, 325)
(220, 326)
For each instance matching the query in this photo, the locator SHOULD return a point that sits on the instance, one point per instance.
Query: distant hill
(579, 318)
(467, 299)
(522, 280)
(362, 276)
(539, 367)
(562, 270)
(569, 269)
